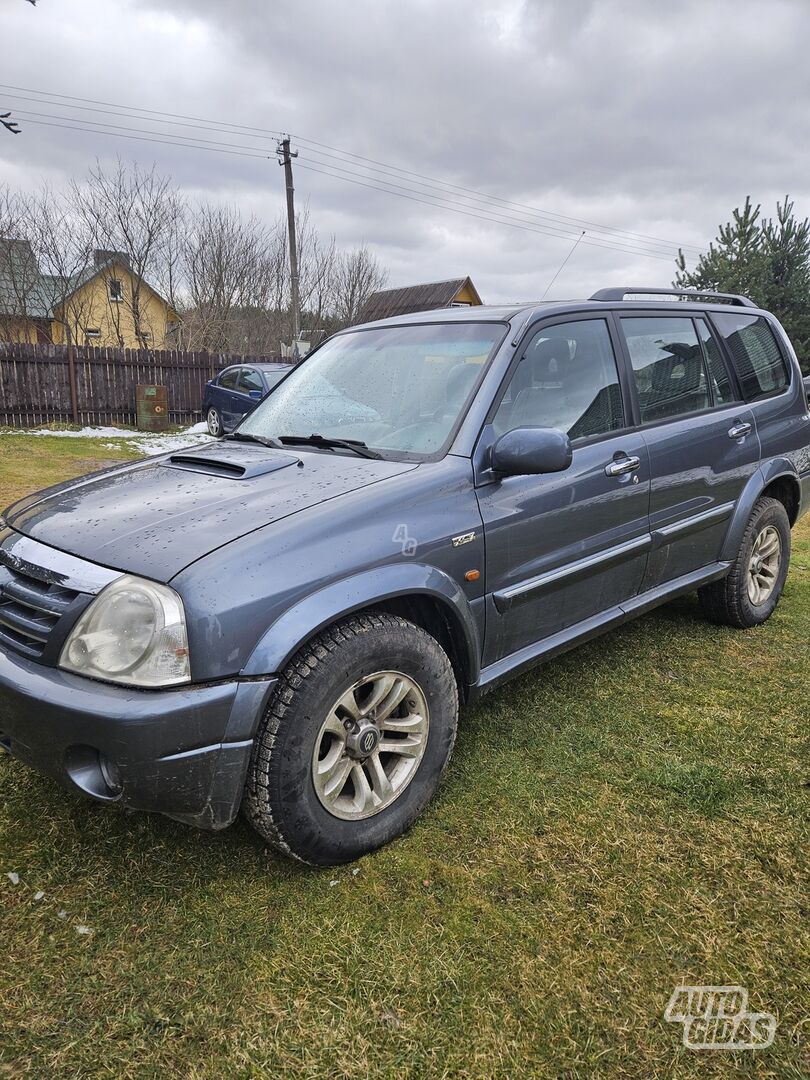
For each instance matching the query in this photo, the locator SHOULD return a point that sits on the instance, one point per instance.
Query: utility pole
(285, 157)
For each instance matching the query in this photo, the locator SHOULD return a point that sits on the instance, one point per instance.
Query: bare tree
(19, 275)
(62, 247)
(231, 273)
(317, 261)
(224, 273)
(358, 274)
(134, 213)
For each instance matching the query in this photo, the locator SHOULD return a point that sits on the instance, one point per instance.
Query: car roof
(259, 365)
(537, 308)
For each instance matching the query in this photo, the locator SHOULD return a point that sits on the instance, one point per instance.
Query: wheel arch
(778, 480)
(422, 594)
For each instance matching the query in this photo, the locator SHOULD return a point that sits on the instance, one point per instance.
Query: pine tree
(768, 260)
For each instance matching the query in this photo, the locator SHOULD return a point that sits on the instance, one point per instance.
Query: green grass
(630, 817)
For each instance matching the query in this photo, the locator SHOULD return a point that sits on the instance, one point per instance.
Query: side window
(668, 366)
(250, 380)
(227, 379)
(566, 379)
(755, 352)
(722, 391)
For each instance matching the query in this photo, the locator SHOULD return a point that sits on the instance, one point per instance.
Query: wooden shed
(458, 292)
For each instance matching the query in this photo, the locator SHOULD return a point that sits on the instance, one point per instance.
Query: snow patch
(142, 442)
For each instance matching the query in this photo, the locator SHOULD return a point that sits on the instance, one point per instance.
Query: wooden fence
(35, 383)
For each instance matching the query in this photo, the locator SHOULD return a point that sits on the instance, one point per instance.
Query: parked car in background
(287, 620)
(237, 390)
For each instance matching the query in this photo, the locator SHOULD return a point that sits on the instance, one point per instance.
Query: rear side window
(227, 379)
(722, 391)
(668, 367)
(759, 362)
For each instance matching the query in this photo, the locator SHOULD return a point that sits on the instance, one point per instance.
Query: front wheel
(214, 421)
(751, 591)
(354, 742)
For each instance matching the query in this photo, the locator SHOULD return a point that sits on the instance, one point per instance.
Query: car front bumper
(181, 752)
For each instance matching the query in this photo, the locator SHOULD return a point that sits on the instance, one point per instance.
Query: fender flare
(775, 469)
(305, 619)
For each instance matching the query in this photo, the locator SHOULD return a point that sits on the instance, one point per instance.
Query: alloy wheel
(370, 745)
(763, 566)
(214, 425)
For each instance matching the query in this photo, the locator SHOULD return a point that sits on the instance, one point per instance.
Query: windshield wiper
(242, 436)
(329, 444)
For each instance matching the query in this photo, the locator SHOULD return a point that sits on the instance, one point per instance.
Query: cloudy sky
(500, 129)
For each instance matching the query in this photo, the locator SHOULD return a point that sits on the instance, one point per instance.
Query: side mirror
(807, 387)
(529, 450)
(255, 395)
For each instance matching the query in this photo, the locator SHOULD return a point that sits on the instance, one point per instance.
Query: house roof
(28, 293)
(428, 297)
(24, 291)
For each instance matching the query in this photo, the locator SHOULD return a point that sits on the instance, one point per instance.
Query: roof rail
(620, 293)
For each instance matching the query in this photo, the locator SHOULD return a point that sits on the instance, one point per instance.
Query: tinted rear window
(759, 362)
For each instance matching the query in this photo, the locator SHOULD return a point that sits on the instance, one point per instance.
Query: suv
(288, 619)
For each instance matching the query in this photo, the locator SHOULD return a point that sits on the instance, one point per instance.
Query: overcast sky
(653, 120)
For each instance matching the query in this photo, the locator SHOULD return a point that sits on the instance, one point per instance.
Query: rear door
(701, 438)
(770, 383)
(564, 547)
(226, 398)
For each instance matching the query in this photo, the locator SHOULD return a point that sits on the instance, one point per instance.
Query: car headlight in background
(134, 633)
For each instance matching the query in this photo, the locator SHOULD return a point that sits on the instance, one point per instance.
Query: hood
(157, 516)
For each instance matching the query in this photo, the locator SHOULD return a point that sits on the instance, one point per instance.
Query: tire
(214, 421)
(296, 745)
(730, 601)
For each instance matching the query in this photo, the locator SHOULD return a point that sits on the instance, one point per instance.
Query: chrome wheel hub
(763, 566)
(370, 745)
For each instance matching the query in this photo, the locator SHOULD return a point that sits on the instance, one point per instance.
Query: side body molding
(768, 471)
(302, 621)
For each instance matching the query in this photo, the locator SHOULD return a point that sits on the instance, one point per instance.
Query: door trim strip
(505, 598)
(667, 533)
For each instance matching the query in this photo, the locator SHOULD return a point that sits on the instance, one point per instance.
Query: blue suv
(235, 391)
(288, 620)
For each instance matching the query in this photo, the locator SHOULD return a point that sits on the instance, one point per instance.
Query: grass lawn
(630, 817)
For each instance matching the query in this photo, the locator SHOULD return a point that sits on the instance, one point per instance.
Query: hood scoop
(232, 462)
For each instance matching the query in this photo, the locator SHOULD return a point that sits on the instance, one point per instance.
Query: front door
(563, 547)
(702, 440)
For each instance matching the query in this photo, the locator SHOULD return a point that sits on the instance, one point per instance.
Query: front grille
(29, 610)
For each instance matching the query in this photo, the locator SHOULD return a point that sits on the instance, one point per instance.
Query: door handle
(622, 465)
(740, 430)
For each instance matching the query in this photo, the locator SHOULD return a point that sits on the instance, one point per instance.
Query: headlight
(134, 632)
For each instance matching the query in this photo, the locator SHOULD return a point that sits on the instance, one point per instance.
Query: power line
(551, 229)
(132, 108)
(178, 119)
(481, 217)
(441, 186)
(159, 139)
(141, 138)
(496, 198)
(143, 131)
(240, 150)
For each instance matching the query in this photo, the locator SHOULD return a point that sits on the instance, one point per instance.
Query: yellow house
(105, 304)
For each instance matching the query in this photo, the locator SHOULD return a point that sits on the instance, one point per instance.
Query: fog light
(93, 773)
(111, 774)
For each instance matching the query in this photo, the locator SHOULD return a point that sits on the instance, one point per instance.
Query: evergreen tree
(766, 259)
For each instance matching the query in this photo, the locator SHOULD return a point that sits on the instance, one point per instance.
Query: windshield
(398, 389)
